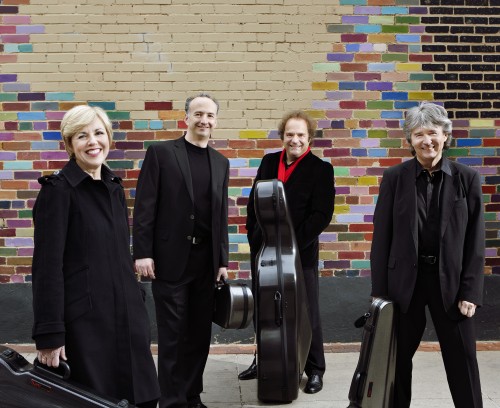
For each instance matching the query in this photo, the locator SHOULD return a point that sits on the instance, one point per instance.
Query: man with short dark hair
(181, 242)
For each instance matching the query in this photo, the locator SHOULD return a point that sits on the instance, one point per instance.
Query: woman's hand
(466, 308)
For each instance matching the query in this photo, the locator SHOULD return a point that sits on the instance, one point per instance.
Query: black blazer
(164, 209)
(310, 194)
(394, 251)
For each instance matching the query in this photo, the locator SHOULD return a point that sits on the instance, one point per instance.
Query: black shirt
(429, 187)
(199, 164)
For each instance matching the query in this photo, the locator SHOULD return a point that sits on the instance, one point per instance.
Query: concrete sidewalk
(430, 389)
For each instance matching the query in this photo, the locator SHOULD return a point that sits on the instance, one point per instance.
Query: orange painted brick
(242, 144)
(353, 67)
(269, 143)
(8, 194)
(8, 59)
(140, 135)
(16, 106)
(14, 184)
(171, 115)
(363, 57)
(253, 153)
(168, 134)
(350, 255)
(382, 38)
(230, 154)
(65, 106)
(344, 161)
(16, 146)
(28, 156)
(31, 136)
(381, 3)
(240, 182)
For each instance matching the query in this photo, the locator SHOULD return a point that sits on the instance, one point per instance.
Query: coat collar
(75, 175)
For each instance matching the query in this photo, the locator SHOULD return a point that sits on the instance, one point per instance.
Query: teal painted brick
(25, 125)
(238, 238)
(414, 48)
(120, 164)
(44, 145)
(11, 48)
(353, 2)
(394, 10)
(482, 151)
(18, 165)
(44, 106)
(254, 162)
(60, 96)
(8, 97)
(25, 47)
(367, 28)
(156, 124)
(482, 132)
(118, 115)
(341, 171)
(381, 67)
(104, 105)
(360, 264)
(141, 124)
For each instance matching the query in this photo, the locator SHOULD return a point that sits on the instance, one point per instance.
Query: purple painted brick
(491, 252)
(354, 19)
(40, 126)
(247, 172)
(233, 172)
(27, 175)
(24, 223)
(325, 105)
(17, 20)
(6, 175)
(368, 218)
(134, 154)
(337, 264)
(8, 77)
(340, 57)
(31, 29)
(417, 29)
(328, 237)
(339, 96)
(273, 134)
(367, 10)
(16, 87)
(323, 124)
(397, 48)
(54, 115)
(417, 10)
(379, 123)
(343, 190)
(322, 143)
(375, 171)
(6, 136)
(7, 156)
(15, 39)
(31, 96)
(370, 142)
(379, 86)
(460, 123)
(357, 171)
(53, 155)
(18, 242)
(366, 47)
(115, 154)
(17, 279)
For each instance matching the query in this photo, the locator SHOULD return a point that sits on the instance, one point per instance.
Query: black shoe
(197, 405)
(250, 373)
(314, 384)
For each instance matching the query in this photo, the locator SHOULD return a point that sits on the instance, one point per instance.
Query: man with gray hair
(428, 250)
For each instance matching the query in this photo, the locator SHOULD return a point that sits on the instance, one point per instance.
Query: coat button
(191, 216)
(189, 237)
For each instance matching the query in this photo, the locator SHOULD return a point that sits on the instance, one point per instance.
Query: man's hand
(145, 267)
(50, 357)
(466, 308)
(222, 273)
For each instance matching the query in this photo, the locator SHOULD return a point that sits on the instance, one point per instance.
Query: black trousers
(184, 318)
(315, 363)
(457, 339)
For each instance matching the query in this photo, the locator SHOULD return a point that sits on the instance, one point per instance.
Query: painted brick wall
(355, 65)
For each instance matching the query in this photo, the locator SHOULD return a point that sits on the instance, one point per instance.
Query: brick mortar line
(233, 348)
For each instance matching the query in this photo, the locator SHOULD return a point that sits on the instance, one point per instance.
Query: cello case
(24, 385)
(283, 325)
(372, 384)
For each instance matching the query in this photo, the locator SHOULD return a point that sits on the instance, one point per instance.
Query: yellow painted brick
(482, 123)
(341, 209)
(253, 134)
(328, 255)
(345, 181)
(367, 181)
(382, 38)
(171, 115)
(325, 86)
(408, 66)
(24, 232)
(351, 124)
(420, 96)
(366, 114)
(316, 114)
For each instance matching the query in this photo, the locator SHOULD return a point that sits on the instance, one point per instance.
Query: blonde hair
(77, 118)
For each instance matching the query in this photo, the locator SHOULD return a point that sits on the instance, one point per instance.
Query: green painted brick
(390, 143)
(377, 133)
(407, 20)
(25, 214)
(235, 256)
(120, 164)
(234, 191)
(488, 216)
(25, 47)
(400, 29)
(395, 57)
(407, 86)
(346, 236)
(8, 116)
(8, 251)
(326, 67)
(342, 171)
(8, 96)
(381, 20)
(25, 126)
(232, 229)
(457, 152)
(380, 105)
(340, 28)
(421, 77)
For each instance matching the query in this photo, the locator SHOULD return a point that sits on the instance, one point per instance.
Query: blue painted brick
(235, 163)
(359, 86)
(377, 153)
(31, 115)
(359, 133)
(349, 218)
(391, 114)
(245, 191)
(44, 145)
(468, 142)
(352, 47)
(470, 161)
(408, 38)
(359, 152)
(52, 135)
(59, 96)
(394, 96)
(405, 105)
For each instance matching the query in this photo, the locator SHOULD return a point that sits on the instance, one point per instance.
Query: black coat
(394, 251)
(310, 194)
(85, 293)
(164, 209)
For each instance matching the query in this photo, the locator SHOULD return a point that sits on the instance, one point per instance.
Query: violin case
(283, 327)
(25, 385)
(372, 384)
(233, 305)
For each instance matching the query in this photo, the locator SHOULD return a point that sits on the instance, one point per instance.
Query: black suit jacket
(310, 194)
(394, 251)
(164, 209)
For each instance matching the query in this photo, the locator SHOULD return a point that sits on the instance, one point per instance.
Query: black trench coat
(85, 294)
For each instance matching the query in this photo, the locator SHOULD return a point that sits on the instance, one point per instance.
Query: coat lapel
(448, 194)
(183, 161)
(410, 192)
